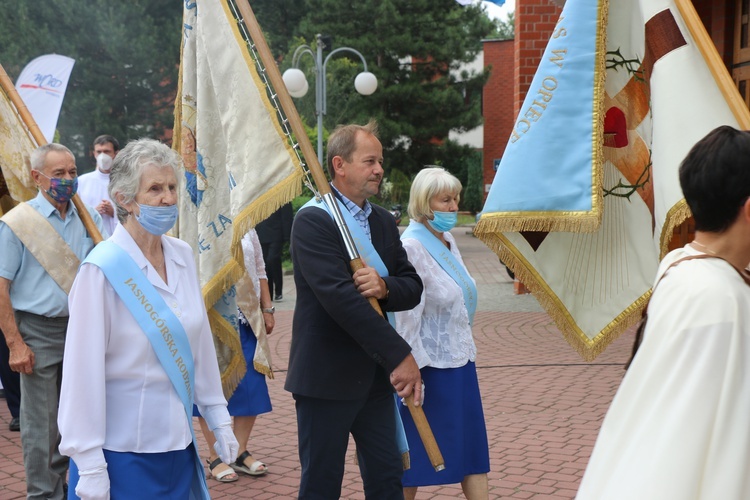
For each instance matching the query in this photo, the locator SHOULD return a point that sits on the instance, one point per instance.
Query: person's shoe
(278, 298)
(15, 425)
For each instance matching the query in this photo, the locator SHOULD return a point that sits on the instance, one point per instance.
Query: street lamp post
(365, 83)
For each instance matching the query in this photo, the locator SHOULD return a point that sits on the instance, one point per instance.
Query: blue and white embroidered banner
(556, 138)
(659, 97)
(238, 165)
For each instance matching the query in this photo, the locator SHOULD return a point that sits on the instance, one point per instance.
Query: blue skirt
(166, 475)
(251, 396)
(453, 408)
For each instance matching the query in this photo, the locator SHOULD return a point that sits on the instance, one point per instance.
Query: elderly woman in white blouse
(439, 333)
(139, 350)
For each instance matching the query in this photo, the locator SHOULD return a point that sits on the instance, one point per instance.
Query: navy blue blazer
(338, 339)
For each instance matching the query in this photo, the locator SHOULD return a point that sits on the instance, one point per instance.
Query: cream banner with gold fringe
(662, 91)
(16, 146)
(239, 166)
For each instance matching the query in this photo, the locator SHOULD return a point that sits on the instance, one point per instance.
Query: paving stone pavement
(543, 404)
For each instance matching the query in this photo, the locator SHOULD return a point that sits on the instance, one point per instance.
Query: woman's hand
(269, 322)
(93, 484)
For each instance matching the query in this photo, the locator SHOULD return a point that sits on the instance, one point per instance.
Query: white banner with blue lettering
(42, 86)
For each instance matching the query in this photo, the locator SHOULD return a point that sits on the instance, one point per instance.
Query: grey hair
(342, 142)
(430, 181)
(39, 155)
(128, 166)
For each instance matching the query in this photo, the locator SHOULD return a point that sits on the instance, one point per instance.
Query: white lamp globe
(366, 83)
(302, 91)
(295, 82)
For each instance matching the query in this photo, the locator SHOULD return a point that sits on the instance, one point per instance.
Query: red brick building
(727, 22)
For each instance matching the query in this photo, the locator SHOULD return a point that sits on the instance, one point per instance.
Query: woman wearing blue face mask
(439, 333)
(139, 350)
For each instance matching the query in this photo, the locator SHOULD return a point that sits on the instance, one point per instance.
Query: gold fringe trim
(516, 222)
(265, 370)
(221, 282)
(260, 209)
(587, 348)
(676, 215)
(597, 137)
(237, 367)
(570, 221)
(271, 200)
(177, 127)
(233, 270)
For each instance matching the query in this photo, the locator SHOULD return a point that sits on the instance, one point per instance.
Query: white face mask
(104, 162)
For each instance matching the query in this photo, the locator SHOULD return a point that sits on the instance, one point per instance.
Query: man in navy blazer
(345, 359)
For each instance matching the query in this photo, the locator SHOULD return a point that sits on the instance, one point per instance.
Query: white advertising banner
(42, 86)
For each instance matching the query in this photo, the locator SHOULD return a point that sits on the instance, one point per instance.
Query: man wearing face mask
(43, 242)
(92, 187)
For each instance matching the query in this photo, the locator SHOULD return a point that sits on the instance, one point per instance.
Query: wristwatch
(269, 310)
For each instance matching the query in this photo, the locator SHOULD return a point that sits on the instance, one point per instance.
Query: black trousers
(272, 259)
(324, 426)
(11, 380)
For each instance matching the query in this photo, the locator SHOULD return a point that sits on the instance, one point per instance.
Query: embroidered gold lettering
(536, 109)
(161, 325)
(558, 57)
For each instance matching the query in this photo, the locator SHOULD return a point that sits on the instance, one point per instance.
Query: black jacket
(338, 339)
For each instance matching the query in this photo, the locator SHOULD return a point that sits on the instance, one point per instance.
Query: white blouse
(252, 253)
(253, 256)
(115, 393)
(438, 328)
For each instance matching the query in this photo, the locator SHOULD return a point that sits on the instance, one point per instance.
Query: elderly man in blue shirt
(43, 241)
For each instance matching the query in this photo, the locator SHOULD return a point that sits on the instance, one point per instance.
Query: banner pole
(716, 65)
(36, 133)
(321, 182)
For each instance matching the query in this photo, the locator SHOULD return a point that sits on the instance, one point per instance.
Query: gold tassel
(587, 348)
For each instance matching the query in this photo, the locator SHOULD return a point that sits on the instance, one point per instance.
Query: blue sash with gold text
(163, 329)
(448, 263)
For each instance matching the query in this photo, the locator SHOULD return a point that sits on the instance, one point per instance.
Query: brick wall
(497, 103)
(514, 63)
(535, 20)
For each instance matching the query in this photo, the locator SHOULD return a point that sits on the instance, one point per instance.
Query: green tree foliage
(415, 49)
(279, 20)
(506, 29)
(127, 56)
